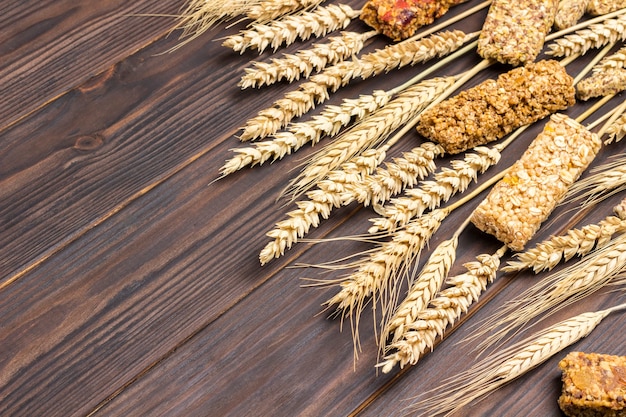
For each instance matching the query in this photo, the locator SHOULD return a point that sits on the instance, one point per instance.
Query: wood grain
(129, 280)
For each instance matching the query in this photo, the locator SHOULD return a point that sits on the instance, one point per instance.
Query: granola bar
(600, 7)
(602, 83)
(594, 385)
(524, 198)
(514, 30)
(399, 19)
(494, 108)
(569, 12)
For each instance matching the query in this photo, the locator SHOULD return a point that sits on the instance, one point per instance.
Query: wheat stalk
(576, 242)
(305, 61)
(463, 290)
(422, 290)
(369, 132)
(327, 124)
(430, 194)
(200, 15)
(595, 36)
(400, 173)
(266, 10)
(315, 91)
(553, 292)
(288, 29)
(499, 369)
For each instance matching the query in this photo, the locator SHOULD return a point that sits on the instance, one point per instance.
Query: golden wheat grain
(595, 36)
(412, 51)
(266, 10)
(615, 60)
(288, 29)
(316, 91)
(422, 290)
(499, 369)
(400, 173)
(616, 130)
(576, 242)
(369, 132)
(431, 194)
(305, 61)
(326, 124)
(463, 290)
(555, 291)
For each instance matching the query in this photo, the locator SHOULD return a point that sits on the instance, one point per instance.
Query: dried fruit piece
(399, 19)
(517, 205)
(593, 385)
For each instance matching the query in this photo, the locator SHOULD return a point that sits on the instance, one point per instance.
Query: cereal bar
(399, 19)
(517, 204)
(514, 30)
(594, 385)
(602, 83)
(494, 108)
(600, 7)
(569, 12)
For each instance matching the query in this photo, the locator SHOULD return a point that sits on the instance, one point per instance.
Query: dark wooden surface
(130, 282)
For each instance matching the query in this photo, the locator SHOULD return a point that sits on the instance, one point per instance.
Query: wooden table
(130, 282)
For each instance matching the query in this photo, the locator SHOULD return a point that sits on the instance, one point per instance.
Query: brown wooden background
(130, 284)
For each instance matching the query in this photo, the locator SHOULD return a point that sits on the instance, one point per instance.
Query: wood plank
(50, 47)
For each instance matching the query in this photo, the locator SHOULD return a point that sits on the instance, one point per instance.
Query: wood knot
(88, 143)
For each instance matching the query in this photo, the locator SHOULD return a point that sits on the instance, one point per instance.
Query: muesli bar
(523, 199)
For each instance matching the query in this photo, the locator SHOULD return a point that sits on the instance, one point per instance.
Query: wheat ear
(616, 130)
(303, 63)
(463, 290)
(553, 292)
(576, 242)
(422, 290)
(315, 91)
(200, 15)
(326, 124)
(499, 369)
(369, 132)
(389, 259)
(288, 29)
(594, 36)
(266, 10)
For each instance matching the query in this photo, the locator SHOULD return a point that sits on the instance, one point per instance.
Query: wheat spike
(595, 36)
(498, 369)
(553, 292)
(617, 130)
(613, 61)
(402, 172)
(200, 15)
(430, 194)
(576, 242)
(423, 289)
(288, 29)
(327, 124)
(463, 290)
(370, 131)
(305, 61)
(318, 89)
(412, 51)
(266, 10)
